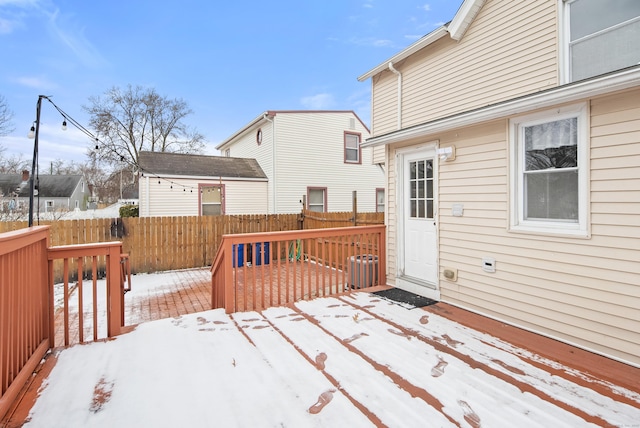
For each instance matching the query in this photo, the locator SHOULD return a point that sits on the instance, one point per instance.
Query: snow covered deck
(355, 360)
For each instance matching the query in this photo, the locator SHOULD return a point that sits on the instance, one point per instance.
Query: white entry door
(418, 271)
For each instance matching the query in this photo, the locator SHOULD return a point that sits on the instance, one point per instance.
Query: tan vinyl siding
(384, 103)
(583, 291)
(509, 50)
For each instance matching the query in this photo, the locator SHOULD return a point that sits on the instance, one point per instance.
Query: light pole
(34, 133)
(32, 181)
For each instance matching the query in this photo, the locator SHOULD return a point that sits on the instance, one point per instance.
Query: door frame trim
(403, 281)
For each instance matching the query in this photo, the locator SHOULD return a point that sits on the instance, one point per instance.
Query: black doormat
(405, 298)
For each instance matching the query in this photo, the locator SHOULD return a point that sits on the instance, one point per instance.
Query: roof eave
(464, 17)
(572, 92)
(435, 35)
(242, 130)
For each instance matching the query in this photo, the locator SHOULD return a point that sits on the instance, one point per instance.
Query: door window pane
(421, 189)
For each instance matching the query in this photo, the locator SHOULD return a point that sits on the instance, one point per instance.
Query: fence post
(354, 198)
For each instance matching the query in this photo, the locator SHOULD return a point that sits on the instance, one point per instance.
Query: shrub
(129, 211)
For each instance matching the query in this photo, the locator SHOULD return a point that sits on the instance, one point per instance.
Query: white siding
(310, 153)
(179, 196)
(509, 50)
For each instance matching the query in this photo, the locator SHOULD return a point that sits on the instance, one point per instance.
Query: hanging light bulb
(64, 125)
(32, 132)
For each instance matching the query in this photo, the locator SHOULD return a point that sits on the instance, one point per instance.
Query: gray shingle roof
(159, 163)
(51, 186)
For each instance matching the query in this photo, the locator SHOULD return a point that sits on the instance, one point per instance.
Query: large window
(211, 197)
(317, 199)
(352, 150)
(549, 171)
(602, 36)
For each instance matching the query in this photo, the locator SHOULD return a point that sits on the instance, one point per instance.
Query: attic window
(259, 136)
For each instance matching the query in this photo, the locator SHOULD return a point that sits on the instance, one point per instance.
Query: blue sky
(229, 60)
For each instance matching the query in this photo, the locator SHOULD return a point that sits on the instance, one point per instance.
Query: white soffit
(609, 83)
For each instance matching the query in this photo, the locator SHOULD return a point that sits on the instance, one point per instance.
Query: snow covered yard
(350, 361)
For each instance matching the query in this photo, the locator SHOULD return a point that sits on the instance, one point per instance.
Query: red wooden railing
(27, 312)
(257, 270)
(24, 308)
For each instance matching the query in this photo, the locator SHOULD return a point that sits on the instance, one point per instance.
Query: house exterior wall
(582, 291)
(309, 152)
(509, 50)
(240, 197)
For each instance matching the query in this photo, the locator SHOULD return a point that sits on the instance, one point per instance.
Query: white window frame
(49, 205)
(564, 38)
(517, 160)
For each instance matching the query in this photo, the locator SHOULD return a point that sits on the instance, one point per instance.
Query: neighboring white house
(174, 184)
(53, 193)
(312, 156)
(521, 119)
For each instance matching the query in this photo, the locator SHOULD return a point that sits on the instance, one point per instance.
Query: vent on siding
(352, 123)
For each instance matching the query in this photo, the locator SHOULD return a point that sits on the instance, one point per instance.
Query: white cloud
(425, 7)
(35, 82)
(370, 41)
(322, 101)
(73, 37)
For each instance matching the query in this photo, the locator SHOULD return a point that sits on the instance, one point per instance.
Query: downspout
(397, 73)
(273, 161)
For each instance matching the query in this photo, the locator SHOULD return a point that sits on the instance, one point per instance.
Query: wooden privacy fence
(168, 243)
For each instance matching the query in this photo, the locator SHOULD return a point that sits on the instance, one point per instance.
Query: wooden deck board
(552, 359)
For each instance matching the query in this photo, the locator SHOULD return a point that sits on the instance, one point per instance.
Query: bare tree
(6, 115)
(14, 164)
(137, 119)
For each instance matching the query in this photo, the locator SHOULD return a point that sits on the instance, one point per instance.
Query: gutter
(605, 84)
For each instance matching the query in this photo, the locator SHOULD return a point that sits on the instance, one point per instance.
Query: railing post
(229, 289)
(115, 294)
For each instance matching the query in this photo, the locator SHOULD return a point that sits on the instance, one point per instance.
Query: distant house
(511, 137)
(54, 193)
(311, 156)
(173, 184)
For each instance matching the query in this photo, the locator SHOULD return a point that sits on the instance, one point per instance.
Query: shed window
(211, 197)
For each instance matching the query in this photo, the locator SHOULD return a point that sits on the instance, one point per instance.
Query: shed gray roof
(49, 186)
(162, 163)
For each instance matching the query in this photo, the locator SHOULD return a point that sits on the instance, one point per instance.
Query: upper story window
(602, 36)
(352, 151)
(549, 173)
(227, 152)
